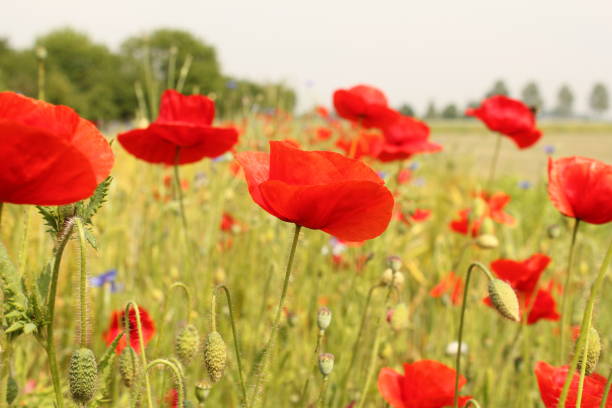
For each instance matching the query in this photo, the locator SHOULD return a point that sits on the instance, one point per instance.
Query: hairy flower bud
(324, 316)
(129, 366)
(326, 363)
(82, 375)
(504, 299)
(593, 351)
(487, 241)
(215, 356)
(187, 344)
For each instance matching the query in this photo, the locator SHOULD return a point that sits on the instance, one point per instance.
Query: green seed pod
(487, 241)
(12, 389)
(324, 316)
(387, 277)
(398, 279)
(594, 349)
(326, 363)
(394, 262)
(187, 343)
(129, 366)
(82, 375)
(202, 390)
(504, 299)
(215, 356)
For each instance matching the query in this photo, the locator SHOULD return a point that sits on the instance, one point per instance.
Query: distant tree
(531, 95)
(431, 112)
(565, 101)
(450, 111)
(85, 75)
(599, 99)
(406, 109)
(499, 88)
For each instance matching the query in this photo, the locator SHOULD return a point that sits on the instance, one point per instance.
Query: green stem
(179, 190)
(50, 345)
(41, 79)
(472, 402)
(584, 329)
(183, 73)
(5, 356)
(564, 323)
(320, 338)
(323, 390)
(235, 335)
(604, 398)
(461, 321)
(82, 283)
(164, 308)
(178, 377)
(143, 355)
(281, 303)
(494, 161)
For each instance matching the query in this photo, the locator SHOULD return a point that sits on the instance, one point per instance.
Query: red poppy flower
(322, 134)
(183, 127)
(322, 111)
(171, 398)
(409, 217)
(117, 325)
(581, 188)
(404, 176)
(523, 276)
(405, 137)
(551, 380)
(319, 190)
(424, 384)
(452, 284)
(509, 117)
(494, 209)
(49, 155)
(364, 105)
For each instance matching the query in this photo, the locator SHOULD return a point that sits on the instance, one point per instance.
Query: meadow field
(229, 240)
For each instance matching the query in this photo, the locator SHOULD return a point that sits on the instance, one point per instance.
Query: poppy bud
(324, 316)
(386, 277)
(592, 357)
(326, 363)
(187, 343)
(215, 356)
(504, 299)
(553, 231)
(82, 375)
(129, 366)
(398, 279)
(12, 389)
(487, 241)
(202, 390)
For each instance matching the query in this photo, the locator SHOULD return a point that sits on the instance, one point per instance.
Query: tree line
(104, 85)
(563, 107)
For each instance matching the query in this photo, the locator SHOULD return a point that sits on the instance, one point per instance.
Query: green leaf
(11, 282)
(29, 328)
(43, 282)
(14, 327)
(51, 219)
(97, 199)
(110, 352)
(91, 239)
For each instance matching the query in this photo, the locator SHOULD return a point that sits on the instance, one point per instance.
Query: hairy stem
(82, 283)
(281, 303)
(564, 323)
(494, 161)
(604, 398)
(143, 356)
(179, 381)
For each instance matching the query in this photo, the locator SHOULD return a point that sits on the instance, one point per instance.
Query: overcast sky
(416, 51)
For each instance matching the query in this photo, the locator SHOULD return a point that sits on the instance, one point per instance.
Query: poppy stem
(461, 322)
(564, 323)
(82, 283)
(50, 345)
(323, 390)
(494, 161)
(354, 353)
(177, 376)
(472, 402)
(604, 398)
(235, 335)
(264, 359)
(179, 191)
(143, 356)
(585, 327)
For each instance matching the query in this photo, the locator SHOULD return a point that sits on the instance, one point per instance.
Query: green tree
(431, 112)
(565, 101)
(531, 95)
(599, 99)
(499, 88)
(450, 111)
(406, 109)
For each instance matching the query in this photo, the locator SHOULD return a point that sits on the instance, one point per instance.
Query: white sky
(416, 51)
